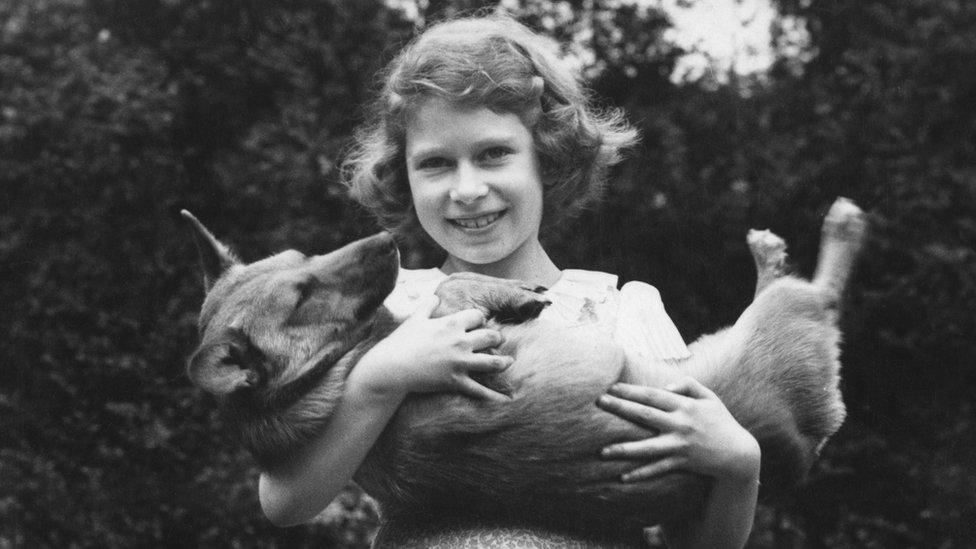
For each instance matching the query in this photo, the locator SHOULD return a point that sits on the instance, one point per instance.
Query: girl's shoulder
(644, 325)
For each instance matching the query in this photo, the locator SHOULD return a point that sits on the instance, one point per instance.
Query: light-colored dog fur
(280, 335)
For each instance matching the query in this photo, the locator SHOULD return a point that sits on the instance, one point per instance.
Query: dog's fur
(280, 335)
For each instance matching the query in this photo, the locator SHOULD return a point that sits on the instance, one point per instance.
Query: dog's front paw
(504, 301)
(520, 306)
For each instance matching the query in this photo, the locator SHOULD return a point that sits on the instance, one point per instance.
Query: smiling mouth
(477, 222)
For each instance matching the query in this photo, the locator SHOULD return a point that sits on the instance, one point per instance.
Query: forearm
(299, 489)
(422, 355)
(727, 516)
(696, 434)
(725, 521)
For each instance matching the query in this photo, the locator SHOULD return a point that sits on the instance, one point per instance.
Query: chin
(479, 257)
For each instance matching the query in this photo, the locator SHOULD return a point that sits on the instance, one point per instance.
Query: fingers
(472, 388)
(484, 339)
(690, 387)
(641, 414)
(488, 364)
(654, 469)
(648, 448)
(663, 399)
(468, 319)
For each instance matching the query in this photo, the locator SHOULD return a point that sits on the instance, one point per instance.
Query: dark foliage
(115, 114)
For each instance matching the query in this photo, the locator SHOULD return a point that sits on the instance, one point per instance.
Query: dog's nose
(384, 241)
(372, 257)
(379, 247)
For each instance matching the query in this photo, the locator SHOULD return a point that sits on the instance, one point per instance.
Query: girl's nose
(470, 186)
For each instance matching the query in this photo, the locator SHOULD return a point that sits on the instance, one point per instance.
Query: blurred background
(115, 114)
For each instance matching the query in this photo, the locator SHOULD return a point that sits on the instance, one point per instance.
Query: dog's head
(277, 330)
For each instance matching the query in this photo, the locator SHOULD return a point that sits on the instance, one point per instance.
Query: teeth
(477, 222)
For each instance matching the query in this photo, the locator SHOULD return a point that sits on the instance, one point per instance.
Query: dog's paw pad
(768, 250)
(845, 221)
(765, 242)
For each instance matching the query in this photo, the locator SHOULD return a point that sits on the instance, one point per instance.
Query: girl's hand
(696, 432)
(425, 355)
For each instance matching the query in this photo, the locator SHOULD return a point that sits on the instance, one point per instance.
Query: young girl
(481, 141)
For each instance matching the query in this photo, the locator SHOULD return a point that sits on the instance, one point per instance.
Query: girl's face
(475, 182)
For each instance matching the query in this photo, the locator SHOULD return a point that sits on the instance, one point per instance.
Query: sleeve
(411, 285)
(644, 329)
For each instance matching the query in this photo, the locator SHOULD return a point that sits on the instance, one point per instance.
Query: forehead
(242, 285)
(437, 122)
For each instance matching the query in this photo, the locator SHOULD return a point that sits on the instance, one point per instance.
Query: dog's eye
(305, 289)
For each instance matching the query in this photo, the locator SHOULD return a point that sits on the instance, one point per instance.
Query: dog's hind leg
(841, 240)
(769, 253)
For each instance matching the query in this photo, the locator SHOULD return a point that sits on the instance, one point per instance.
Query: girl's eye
(494, 154)
(433, 163)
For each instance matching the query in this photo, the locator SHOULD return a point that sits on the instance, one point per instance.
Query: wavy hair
(494, 62)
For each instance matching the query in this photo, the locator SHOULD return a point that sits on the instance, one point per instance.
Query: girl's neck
(530, 264)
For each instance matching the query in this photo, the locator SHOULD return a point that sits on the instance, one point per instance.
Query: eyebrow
(423, 151)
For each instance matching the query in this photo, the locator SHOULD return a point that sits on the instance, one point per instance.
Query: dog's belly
(533, 459)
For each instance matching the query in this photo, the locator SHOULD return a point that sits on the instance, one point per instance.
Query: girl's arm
(422, 355)
(298, 490)
(696, 433)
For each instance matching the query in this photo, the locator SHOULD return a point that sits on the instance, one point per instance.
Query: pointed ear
(215, 258)
(226, 366)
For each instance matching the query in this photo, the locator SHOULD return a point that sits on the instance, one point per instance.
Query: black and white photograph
(435, 274)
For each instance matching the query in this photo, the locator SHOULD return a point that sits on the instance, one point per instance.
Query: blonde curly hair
(495, 62)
